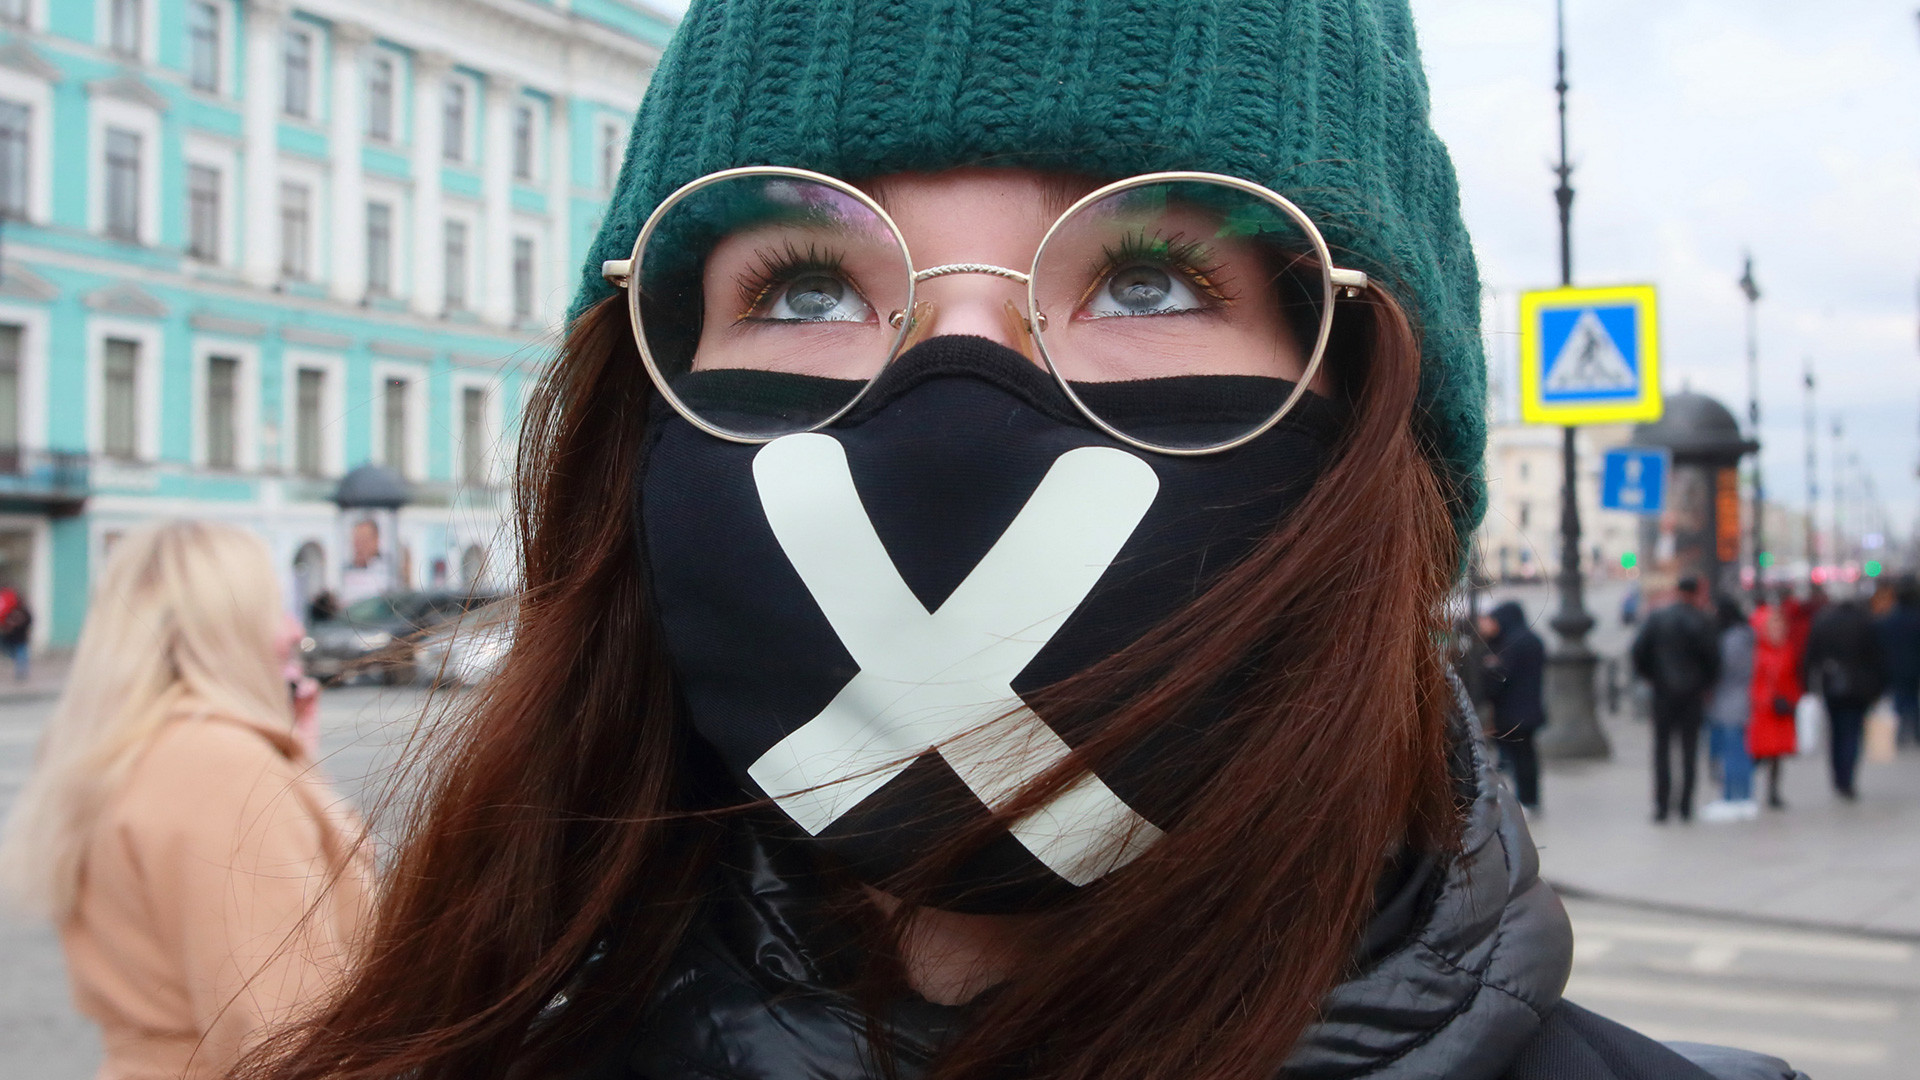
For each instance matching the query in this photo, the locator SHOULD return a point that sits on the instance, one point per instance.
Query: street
(1841, 1005)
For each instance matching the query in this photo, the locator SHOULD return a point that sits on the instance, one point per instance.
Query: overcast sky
(1702, 129)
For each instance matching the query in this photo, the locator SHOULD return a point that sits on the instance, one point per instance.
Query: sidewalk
(1849, 866)
(46, 676)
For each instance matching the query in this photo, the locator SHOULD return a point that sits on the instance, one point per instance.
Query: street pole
(1839, 544)
(1751, 288)
(1575, 728)
(1813, 478)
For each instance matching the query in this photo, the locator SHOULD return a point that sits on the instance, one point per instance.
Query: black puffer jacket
(1461, 974)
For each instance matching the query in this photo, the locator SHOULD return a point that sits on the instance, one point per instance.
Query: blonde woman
(205, 880)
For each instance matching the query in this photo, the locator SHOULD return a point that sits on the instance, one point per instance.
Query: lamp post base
(1573, 723)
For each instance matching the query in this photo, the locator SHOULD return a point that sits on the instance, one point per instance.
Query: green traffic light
(1873, 568)
(1766, 559)
(1629, 560)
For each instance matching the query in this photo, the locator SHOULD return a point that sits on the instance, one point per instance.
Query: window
(393, 416)
(380, 98)
(297, 73)
(473, 436)
(222, 419)
(453, 121)
(522, 279)
(523, 141)
(124, 28)
(14, 12)
(455, 265)
(1526, 515)
(10, 338)
(203, 46)
(379, 249)
(15, 126)
(120, 404)
(295, 231)
(203, 212)
(309, 394)
(123, 184)
(609, 156)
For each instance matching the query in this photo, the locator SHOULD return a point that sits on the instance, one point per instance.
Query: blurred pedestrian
(16, 630)
(1515, 669)
(205, 882)
(1845, 663)
(1678, 653)
(1729, 712)
(1900, 646)
(1771, 734)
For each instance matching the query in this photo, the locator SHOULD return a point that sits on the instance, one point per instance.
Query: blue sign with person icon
(1589, 356)
(1634, 479)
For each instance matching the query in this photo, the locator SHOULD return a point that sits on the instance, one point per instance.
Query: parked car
(465, 651)
(376, 637)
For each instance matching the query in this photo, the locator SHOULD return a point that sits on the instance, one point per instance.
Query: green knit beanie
(1322, 100)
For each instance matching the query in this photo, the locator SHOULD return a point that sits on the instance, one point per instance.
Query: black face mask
(839, 604)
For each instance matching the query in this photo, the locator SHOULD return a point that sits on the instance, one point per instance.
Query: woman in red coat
(1776, 693)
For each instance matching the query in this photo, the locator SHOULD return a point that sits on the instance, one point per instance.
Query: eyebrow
(1058, 192)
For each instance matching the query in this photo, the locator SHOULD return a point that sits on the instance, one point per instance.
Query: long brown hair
(562, 806)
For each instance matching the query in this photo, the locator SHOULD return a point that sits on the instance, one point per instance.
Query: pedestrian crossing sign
(1589, 356)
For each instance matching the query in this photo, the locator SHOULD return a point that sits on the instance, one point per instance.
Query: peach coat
(187, 938)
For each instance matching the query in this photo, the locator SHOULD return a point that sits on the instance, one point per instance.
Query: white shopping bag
(1809, 725)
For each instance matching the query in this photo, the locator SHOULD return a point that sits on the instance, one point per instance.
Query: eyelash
(773, 269)
(1188, 258)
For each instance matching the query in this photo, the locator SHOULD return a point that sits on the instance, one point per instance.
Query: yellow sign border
(1645, 407)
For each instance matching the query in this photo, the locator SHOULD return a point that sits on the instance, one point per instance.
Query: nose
(980, 303)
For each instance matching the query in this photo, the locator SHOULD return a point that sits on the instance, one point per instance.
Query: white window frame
(470, 132)
(115, 113)
(152, 339)
(415, 467)
(396, 100)
(31, 389)
(37, 96)
(532, 232)
(224, 31)
(319, 219)
(463, 381)
(222, 157)
(246, 405)
(470, 217)
(103, 28)
(333, 410)
(607, 167)
(316, 56)
(538, 109)
(377, 189)
(36, 16)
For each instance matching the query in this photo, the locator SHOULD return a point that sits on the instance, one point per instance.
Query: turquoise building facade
(248, 245)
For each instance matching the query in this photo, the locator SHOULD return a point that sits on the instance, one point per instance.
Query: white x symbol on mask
(941, 681)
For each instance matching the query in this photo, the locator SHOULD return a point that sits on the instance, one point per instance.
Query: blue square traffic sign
(1634, 478)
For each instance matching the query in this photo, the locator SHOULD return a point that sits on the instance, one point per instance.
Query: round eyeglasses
(1180, 312)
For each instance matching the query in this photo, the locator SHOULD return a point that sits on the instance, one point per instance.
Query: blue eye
(1143, 289)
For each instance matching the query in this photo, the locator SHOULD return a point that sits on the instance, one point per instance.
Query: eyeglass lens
(1180, 313)
(765, 301)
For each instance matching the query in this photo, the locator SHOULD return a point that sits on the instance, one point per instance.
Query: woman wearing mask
(204, 879)
(982, 597)
(1775, 695)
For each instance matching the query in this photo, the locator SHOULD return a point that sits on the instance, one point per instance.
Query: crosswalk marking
(1830, 946)
(1718, 999)
(1800, 1050)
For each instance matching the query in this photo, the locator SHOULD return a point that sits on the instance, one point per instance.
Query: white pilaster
(260, 191)
(560, 209)
(429, 240)
(349, 231)
(496, 193)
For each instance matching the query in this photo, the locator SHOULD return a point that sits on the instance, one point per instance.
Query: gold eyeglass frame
(1335, 283)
